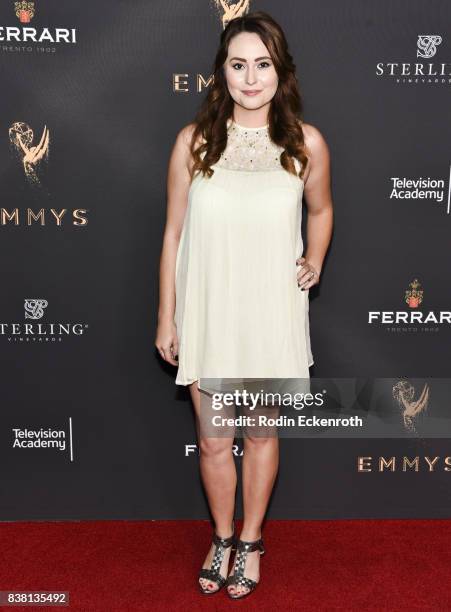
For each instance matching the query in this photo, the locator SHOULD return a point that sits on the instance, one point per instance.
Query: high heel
(213, 572)
(238, 578)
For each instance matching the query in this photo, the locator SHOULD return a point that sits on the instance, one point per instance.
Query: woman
(233, 284)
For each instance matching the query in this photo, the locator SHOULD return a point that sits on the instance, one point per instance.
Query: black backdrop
(113, 102)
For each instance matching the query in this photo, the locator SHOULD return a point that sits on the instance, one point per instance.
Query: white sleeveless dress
(239, 311)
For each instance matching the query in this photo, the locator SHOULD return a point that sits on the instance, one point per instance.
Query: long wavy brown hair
(286, 108)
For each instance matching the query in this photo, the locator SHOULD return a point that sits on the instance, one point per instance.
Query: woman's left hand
(307, 275)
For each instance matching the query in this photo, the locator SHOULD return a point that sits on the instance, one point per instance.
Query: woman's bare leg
(219, 478)
(260, 465)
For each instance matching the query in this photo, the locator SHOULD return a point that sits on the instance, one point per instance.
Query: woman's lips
(251, 92)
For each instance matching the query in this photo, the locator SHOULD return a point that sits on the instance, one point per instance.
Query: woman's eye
(264, 64)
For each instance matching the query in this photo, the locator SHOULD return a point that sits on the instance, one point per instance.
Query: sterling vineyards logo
(42, 331)
(25, 12)
(421, 72)
(414, 319)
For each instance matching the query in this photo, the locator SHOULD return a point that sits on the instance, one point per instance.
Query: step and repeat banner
(92, 425)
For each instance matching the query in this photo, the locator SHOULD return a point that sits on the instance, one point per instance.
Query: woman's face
(249, 71)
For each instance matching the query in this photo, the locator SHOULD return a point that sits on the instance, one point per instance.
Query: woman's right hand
(167, 342)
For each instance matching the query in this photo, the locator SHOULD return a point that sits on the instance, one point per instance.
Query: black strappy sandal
(238, 578)
(212, 573)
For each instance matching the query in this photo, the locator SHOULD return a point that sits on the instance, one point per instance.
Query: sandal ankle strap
(250, 546)
(224, 542)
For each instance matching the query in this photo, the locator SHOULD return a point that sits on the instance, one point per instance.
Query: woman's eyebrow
(257, 59)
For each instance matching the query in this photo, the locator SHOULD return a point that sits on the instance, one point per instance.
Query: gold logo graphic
(24, 11)
(21, 137)
(414, 295)
(29, 217)
(404, 394)
(229, 11)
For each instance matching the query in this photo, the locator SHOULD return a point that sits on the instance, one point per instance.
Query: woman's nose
(250, 77)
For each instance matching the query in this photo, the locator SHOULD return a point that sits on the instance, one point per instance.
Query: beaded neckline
(232, 123)
(249, 149)
(251, 129)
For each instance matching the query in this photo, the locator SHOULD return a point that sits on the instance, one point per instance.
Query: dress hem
(190, 382)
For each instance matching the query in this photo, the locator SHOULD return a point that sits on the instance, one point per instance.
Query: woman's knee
(259, 442)
(215, 447)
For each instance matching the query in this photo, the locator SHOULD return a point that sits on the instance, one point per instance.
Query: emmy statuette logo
(411, 408)
(229, 10)
(21, 137)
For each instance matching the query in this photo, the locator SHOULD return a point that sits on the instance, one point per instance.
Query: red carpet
(383, 565)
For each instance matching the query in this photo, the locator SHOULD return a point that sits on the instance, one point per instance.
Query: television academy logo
(41, 438)
(419, 72)
(422, 188)
(25, 12)
(413, 297)
(40, 332)
(46, 439)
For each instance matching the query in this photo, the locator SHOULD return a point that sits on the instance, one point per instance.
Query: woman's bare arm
(178, 183)
(317, 193)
